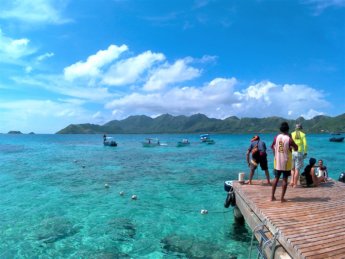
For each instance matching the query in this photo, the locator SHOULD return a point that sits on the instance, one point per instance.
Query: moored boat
(210, 141)
(183, 143)
(151, 142)
(336, 139)
(109, 141)
(205, 138)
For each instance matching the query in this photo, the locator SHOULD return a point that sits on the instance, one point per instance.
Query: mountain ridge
(200, 123)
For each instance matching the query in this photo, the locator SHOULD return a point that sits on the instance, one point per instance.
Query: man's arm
(273, 144)
(305, 145)
(247, 156)
(293, 144)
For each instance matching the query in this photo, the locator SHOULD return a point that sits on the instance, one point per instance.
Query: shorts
(297, 160)
(278, 173)
(262, 160)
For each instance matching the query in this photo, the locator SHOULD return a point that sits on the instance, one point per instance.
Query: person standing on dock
(257, 149)
(282, 146)
(298, 156)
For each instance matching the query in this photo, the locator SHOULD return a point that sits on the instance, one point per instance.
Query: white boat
(151, 142)
(109, 141)
(205, 138)
(184, 142)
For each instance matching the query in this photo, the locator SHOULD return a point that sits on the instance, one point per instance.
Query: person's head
(320, 162)
(299, 126)
(255, 138)
(284, 127)
(312, 161)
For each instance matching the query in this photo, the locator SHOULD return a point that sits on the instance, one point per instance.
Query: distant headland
(200, 123)
(14, 132)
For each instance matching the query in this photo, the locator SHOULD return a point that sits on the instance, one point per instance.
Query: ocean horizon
(55, 204)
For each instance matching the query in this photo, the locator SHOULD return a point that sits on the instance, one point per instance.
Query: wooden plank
(253, 220)
(301, 222)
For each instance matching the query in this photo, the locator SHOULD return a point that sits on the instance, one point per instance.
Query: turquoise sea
(54, 203)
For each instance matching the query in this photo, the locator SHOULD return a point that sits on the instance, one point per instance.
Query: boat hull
(150, 144)
(182, 144)
(110, 143)
(336, 139)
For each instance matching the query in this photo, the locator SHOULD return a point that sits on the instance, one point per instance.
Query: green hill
(200, 123)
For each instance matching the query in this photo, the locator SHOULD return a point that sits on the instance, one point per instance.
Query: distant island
(14, 132)
(200, 123)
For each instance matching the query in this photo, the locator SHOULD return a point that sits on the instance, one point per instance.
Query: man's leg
(284, 187)
(294, 169)
(315, 178)
(251, 174)
(264, 167)
(274, 185)
(292, 180)
(267, 176)
(295, 177)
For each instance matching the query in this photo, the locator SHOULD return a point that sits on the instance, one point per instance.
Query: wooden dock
(311, 224)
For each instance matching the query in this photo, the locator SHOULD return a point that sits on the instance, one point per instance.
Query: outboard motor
(342, 177)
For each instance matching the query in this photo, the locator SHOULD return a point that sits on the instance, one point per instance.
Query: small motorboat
(151, 142)
(205, 138)
(210, 142)
(109, 141)
(336, 139)
(184, 142)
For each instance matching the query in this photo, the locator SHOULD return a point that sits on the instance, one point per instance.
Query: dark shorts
(260, 159)
(278, 173)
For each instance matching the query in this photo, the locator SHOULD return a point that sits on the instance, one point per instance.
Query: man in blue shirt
(257, 149)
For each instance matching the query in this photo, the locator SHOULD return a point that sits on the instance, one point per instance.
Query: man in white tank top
(282, 146)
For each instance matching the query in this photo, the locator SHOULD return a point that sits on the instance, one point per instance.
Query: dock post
(238, 216)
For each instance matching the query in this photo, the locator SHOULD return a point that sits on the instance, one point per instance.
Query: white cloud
(45, 56)
(128, 71)
(185, 100)
(28, 69)
(34, 11)
(320, 5)
(58, 85)
(12, 50)
(168, 74)
(218, 99)
(91, 68)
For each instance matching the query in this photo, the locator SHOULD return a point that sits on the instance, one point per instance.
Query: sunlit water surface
(54, 203)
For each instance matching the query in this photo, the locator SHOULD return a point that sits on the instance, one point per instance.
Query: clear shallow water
(54, 204)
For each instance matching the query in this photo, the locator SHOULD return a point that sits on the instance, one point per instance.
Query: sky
(68, 62)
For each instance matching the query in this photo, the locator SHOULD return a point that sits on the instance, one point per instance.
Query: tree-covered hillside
(200, 123)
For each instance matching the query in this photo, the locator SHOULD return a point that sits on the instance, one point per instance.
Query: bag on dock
(303, 180)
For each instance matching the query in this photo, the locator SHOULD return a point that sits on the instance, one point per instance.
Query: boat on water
(184, 142)
(109, 141)
(210, 142)
(336, 139)
(151, 142)
(206, 138)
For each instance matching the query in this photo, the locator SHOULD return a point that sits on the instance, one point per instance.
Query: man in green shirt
(300, 139)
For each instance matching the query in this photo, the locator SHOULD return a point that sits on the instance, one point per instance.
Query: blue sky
(65, 61)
